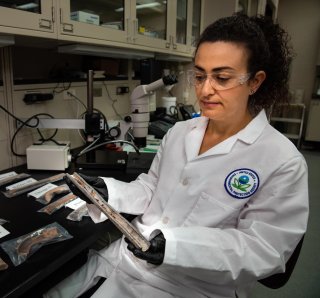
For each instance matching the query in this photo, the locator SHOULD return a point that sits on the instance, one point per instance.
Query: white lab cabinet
(168, 27)
(313, 124)
(160, 26)
(173, 29)
(37, 19)
(94, 21)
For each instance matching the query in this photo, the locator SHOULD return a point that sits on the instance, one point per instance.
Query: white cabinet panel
(87, 21)
(21, 20)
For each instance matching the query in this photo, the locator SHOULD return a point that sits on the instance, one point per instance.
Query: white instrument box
(49, 157)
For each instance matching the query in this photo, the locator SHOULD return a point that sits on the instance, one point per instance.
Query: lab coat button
(185, 181)
(165, 220)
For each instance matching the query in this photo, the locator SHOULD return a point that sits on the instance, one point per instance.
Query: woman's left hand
(155, 253)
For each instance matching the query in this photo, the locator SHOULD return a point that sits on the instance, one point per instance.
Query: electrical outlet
(122, 90)
(67, 94)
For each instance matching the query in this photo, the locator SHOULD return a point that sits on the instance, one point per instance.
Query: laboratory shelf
(292, 119)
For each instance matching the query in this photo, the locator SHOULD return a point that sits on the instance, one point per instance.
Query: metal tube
(90, 92)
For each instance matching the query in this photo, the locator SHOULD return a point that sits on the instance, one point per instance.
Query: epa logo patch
(242, 183)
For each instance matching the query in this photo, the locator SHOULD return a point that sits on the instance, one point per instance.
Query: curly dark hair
(269, 50)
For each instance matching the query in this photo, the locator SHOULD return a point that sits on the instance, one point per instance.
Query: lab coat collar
(254, 129)
(194, 138)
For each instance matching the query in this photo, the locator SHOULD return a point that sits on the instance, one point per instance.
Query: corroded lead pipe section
(23, 189)
(130, 231)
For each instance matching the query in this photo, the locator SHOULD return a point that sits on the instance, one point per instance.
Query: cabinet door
(32, 17)
(150, 24)
(186, 25)
(195, 24)
(179, 25)
(98, 20)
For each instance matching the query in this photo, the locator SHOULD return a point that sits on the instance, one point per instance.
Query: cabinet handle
(44, 23)
(135, 29)
(53, 14)
(174, 45)
(67, 27)
(169, 43)
(126, 28)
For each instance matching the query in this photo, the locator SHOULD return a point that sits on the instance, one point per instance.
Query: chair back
(278, 280)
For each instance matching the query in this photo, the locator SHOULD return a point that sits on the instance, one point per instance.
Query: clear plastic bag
(21, 248)
(12, 177)
(47, 195)
(78, 214)
(53, 207)
(2, 221)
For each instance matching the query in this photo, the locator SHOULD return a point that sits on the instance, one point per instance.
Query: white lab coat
(217, 242)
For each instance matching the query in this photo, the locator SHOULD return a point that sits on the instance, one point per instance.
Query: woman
(226, 199)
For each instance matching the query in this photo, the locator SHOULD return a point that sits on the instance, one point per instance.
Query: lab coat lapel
(248, 135)
(221, 148)
(193, 138)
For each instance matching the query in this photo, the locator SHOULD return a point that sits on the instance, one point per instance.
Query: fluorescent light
(148, 5)
(165, 57)
(27, 6)
(6, 40)
(83, 49)
(141, 6)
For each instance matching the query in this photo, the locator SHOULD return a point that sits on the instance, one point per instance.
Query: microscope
(96, 129)
(140, 98)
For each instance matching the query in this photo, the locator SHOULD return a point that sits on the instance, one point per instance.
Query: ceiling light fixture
(27, 6)
(83, 49)
(141, 6)
(6, 40)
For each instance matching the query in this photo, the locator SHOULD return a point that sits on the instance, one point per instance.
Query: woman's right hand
(98, 184)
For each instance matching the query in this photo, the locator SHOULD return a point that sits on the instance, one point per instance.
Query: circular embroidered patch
(242, 183)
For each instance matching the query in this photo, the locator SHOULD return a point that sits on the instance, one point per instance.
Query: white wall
(58, 108)
(302, 20)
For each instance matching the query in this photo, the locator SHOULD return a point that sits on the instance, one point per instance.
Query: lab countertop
(23, 217)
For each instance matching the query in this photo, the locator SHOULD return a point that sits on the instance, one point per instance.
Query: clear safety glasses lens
(218, 82)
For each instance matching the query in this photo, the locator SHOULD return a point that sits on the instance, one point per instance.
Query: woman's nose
(207, 87)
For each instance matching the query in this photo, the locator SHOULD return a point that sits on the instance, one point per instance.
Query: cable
(29, 119)
(112, 100)
(77, 98)
(86, 150)
(54, 92)
(88, 147)
(17, 119)
(26, 123)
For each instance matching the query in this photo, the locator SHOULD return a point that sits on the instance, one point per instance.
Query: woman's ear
(257, 80)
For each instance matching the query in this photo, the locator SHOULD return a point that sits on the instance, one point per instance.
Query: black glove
(155, 253)
(96, 182)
